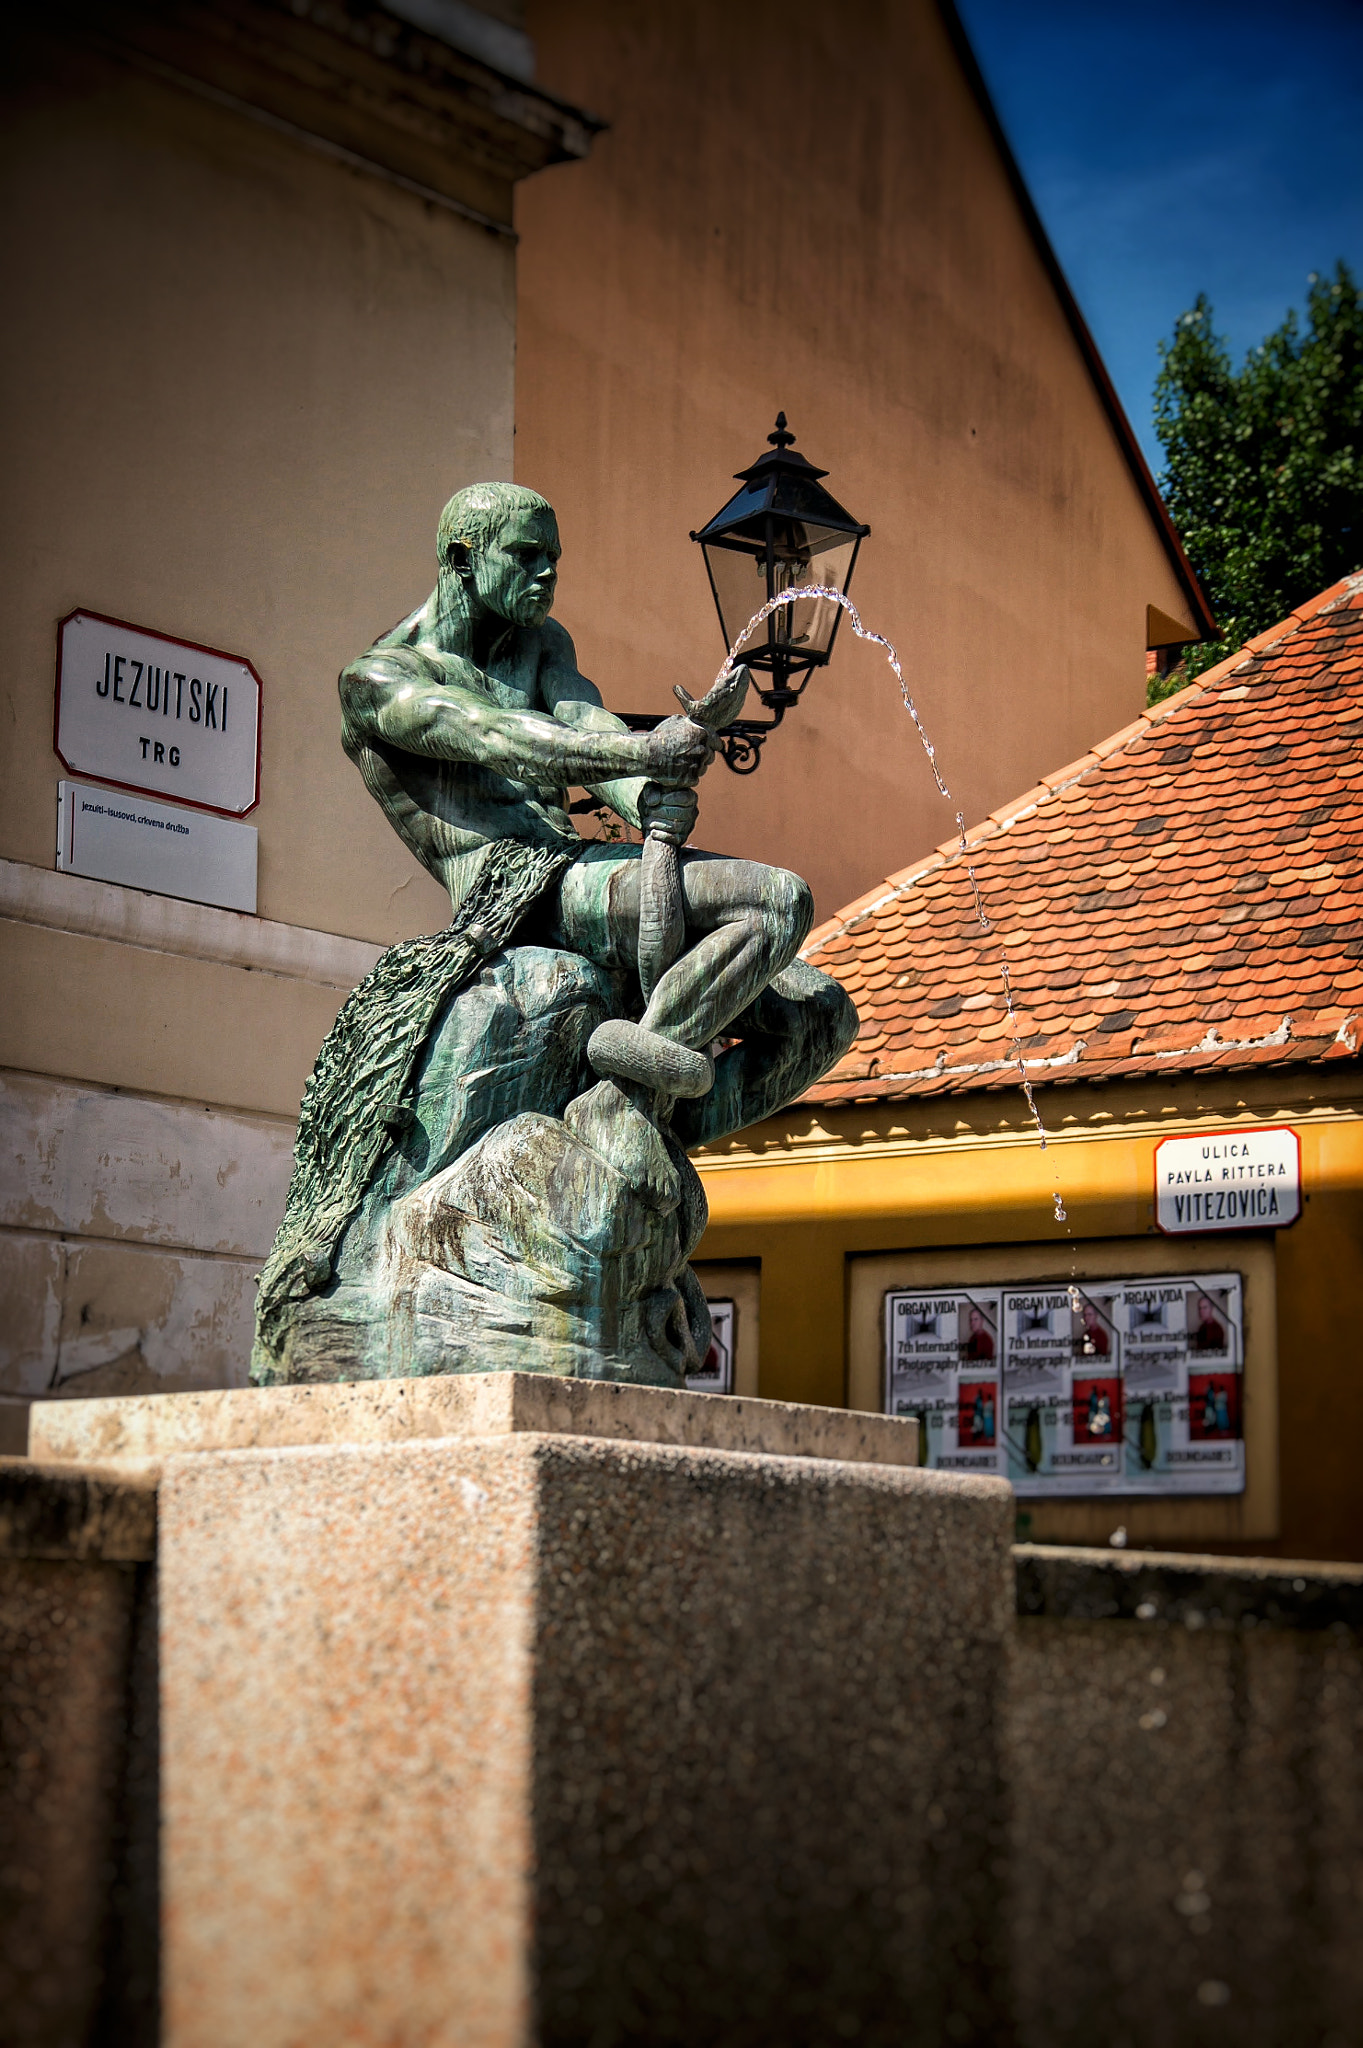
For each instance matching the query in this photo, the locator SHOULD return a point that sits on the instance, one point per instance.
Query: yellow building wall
(808, 1194)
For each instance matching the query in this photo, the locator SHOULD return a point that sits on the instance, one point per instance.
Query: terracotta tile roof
(1188, 896)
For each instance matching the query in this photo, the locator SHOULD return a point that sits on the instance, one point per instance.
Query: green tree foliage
(1264, 465)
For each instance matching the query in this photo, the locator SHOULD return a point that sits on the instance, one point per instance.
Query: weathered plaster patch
(97, 1163)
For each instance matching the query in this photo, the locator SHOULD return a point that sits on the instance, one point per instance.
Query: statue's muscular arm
(429, 703)
(575, 702)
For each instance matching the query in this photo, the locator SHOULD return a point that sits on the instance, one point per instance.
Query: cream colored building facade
(260, 324)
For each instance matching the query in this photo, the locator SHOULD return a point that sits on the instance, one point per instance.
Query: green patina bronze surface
(491, 1167)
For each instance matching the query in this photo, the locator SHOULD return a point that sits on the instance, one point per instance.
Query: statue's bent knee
(790, 904)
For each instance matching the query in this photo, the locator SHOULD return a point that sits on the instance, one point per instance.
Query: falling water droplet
(813, 592)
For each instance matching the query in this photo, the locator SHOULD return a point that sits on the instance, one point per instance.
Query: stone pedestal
(559, 1735)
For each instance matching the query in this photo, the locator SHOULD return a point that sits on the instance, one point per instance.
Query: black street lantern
(782, 531)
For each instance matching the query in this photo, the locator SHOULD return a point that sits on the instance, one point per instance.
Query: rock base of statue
(528, 1216)
(534, 1252)
(525, 1214)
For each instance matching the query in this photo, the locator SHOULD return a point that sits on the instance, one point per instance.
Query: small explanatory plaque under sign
(1228, 1180)
(161, 717)
(140, 844)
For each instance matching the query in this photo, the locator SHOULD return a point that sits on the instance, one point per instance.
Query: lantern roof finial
(781, 438)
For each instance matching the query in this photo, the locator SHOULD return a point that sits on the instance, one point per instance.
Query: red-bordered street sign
(164, 717)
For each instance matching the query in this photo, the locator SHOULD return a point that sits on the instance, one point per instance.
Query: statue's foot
(614, 1125)
(629, 1052)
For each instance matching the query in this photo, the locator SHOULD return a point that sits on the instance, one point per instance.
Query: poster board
(735, 1285)
(1127, 1385)
(942, 1367)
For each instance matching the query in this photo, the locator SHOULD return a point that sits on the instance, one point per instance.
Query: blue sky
(1211, 146)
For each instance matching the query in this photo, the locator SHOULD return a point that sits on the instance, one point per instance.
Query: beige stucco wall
(240, 380)
(799, 206)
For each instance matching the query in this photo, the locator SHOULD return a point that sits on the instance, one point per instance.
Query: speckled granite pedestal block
(552, 1739)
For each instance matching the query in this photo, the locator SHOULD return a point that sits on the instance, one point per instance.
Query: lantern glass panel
(807, 626)
(738, 577)
(800, 554)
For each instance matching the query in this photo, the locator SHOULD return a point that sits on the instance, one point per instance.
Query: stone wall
(78, 1760)
(131, 1232)
(1186, 1773)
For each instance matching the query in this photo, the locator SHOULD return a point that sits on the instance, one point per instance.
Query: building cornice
(843, 1134)
(362, 84)
(195, 931)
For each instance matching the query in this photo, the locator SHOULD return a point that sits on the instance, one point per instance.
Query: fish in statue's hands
(662, 917)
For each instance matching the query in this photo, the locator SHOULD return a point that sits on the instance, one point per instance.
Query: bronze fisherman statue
(491, 1167)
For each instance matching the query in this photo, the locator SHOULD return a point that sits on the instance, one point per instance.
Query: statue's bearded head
(501, 542)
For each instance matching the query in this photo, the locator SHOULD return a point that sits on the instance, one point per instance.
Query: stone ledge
(88, 1515)
(370, 87)
(195, 931)
(1058, 1582)
(157, 1426)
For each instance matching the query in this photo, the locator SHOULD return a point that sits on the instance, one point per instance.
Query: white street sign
(147, 845)
(1228, 1180)
(161, 716)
